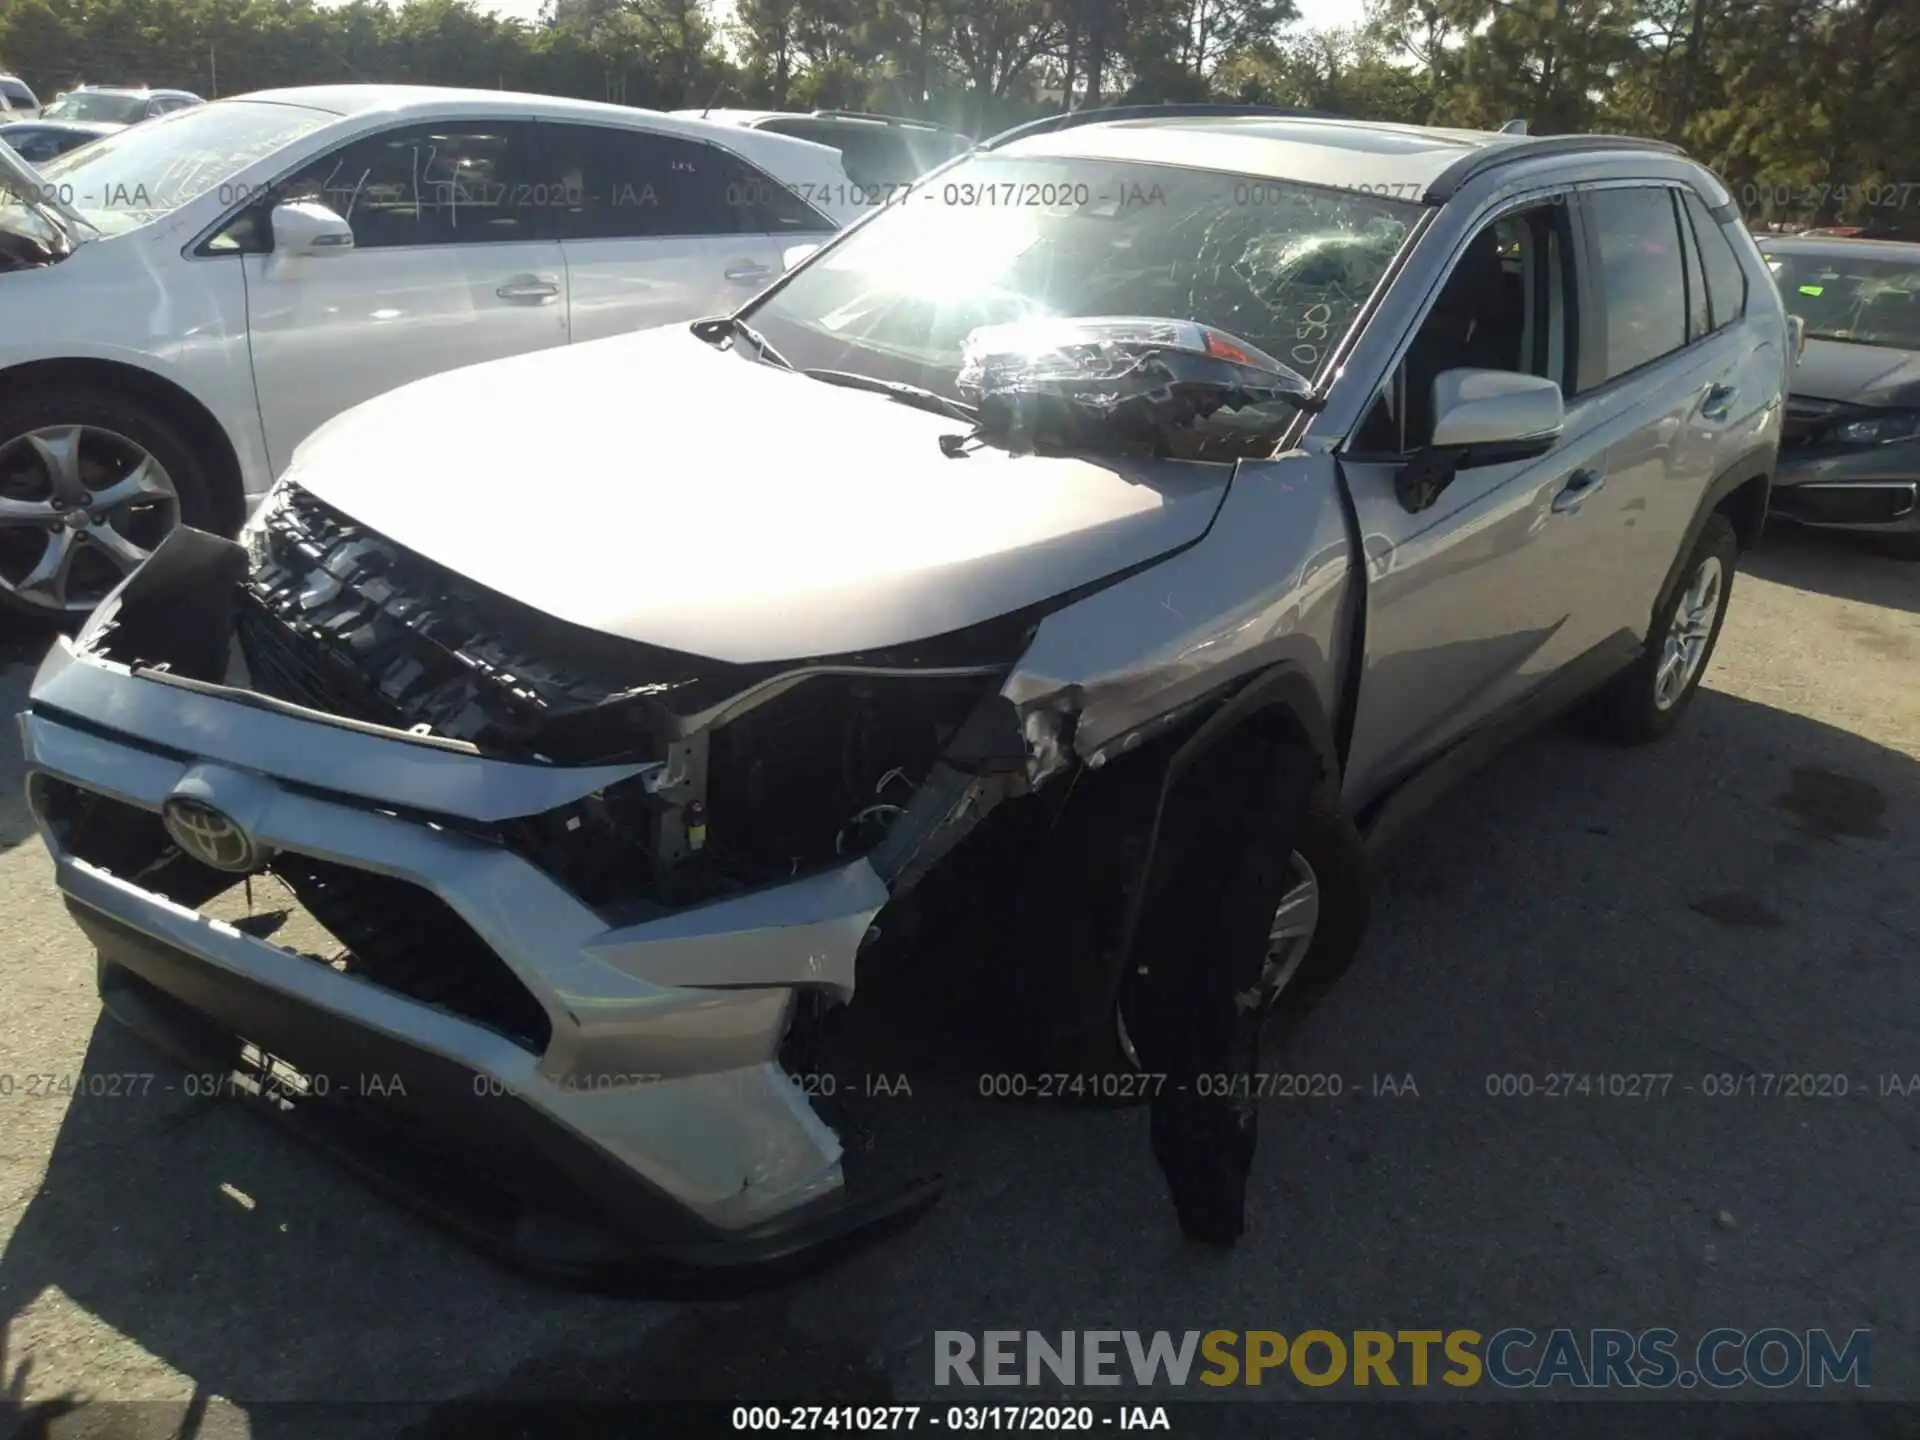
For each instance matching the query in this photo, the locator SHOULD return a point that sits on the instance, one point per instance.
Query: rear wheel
(1646, 700)
(90, 482)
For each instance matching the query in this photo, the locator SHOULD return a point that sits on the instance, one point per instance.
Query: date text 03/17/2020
(787, 1419)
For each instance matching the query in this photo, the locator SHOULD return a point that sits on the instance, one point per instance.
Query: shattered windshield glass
(151, 169)
(995, 240)
(1860, 299)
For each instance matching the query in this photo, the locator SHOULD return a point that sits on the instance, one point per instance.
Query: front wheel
(1646, 700)
(1319, 919)
(90, 482)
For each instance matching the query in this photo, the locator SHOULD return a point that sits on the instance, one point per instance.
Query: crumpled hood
(1858, 374)
(653, 487)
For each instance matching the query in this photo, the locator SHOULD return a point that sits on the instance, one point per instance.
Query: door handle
(1714, 405)
(527, 287)
(746, 272)
(1580, 486)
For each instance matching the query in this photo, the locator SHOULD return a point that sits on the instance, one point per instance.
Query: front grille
(341, 619)
(395, 934)
(1845, 504)
(404, 938)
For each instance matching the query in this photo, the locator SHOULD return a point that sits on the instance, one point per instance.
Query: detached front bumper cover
(650, 1137)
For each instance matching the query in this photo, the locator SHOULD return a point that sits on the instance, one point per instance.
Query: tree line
(1807, 107)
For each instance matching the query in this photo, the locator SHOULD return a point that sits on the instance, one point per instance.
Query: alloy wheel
(1290, 936)
(80, 507)
(1692, 627)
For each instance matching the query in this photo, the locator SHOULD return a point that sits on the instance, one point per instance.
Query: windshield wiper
(722, 326)
(915, 395)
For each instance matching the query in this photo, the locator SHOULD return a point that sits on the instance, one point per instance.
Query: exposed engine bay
(750, 774)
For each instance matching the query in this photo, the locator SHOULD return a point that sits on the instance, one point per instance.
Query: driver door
(449, 267)
(1473, 603)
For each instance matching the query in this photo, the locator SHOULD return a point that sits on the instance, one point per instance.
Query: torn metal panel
(388, 768)
(942, 811)
(806, 932)
(1275, 581)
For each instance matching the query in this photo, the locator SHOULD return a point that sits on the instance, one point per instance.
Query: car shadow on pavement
(1737, 900)
(1847, 567)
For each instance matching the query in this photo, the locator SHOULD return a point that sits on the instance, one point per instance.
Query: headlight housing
(1882, 429)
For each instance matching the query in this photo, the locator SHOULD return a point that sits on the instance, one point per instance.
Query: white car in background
(17, 100)
(187, 299)
(883, 154)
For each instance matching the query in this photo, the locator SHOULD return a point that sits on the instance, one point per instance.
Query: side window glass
(762, 205)
(1726, 276)
(1503, 307)
(1642, 281)
(447, 183)
(632, 184)
(1699, 321)
(878, 159)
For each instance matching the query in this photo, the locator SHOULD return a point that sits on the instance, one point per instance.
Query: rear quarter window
(1726, 276)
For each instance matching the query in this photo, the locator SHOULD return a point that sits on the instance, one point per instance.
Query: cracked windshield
(1867, 301)
(1282, 265)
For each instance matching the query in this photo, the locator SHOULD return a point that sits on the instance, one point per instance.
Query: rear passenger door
(1652, 358)
(657, 228)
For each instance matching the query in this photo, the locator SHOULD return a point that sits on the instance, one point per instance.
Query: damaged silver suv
(1021, 622)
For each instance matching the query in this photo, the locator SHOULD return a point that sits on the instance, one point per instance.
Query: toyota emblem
(208, 835)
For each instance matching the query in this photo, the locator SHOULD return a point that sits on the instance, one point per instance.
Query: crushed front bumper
(649, 1135)
(1868, 491)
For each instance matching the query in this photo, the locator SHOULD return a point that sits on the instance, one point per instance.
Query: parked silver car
(1046, 598)
(883, 154)
(17, 100)
(118, 104)
(1850, 456)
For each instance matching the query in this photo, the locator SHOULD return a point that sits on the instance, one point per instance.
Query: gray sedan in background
(1850, 452)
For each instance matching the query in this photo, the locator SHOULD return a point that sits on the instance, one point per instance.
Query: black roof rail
(1527, 147)
(1072, 119)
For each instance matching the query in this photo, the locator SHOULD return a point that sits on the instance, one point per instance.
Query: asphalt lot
(1740, 899)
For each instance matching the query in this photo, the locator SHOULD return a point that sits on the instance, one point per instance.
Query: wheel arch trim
(1283, 691)
(1754, 468)
(135, 374)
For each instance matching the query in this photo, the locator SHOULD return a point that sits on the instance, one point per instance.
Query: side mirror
(1797, 336)
(794, 254)
(1482, 417)
(306, 227)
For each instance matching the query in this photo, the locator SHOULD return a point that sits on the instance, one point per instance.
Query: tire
(1100, 1055)
(116, 427)
(1330, 843)
(1632, 709)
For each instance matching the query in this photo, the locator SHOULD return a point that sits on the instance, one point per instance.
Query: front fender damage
(773, 835)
